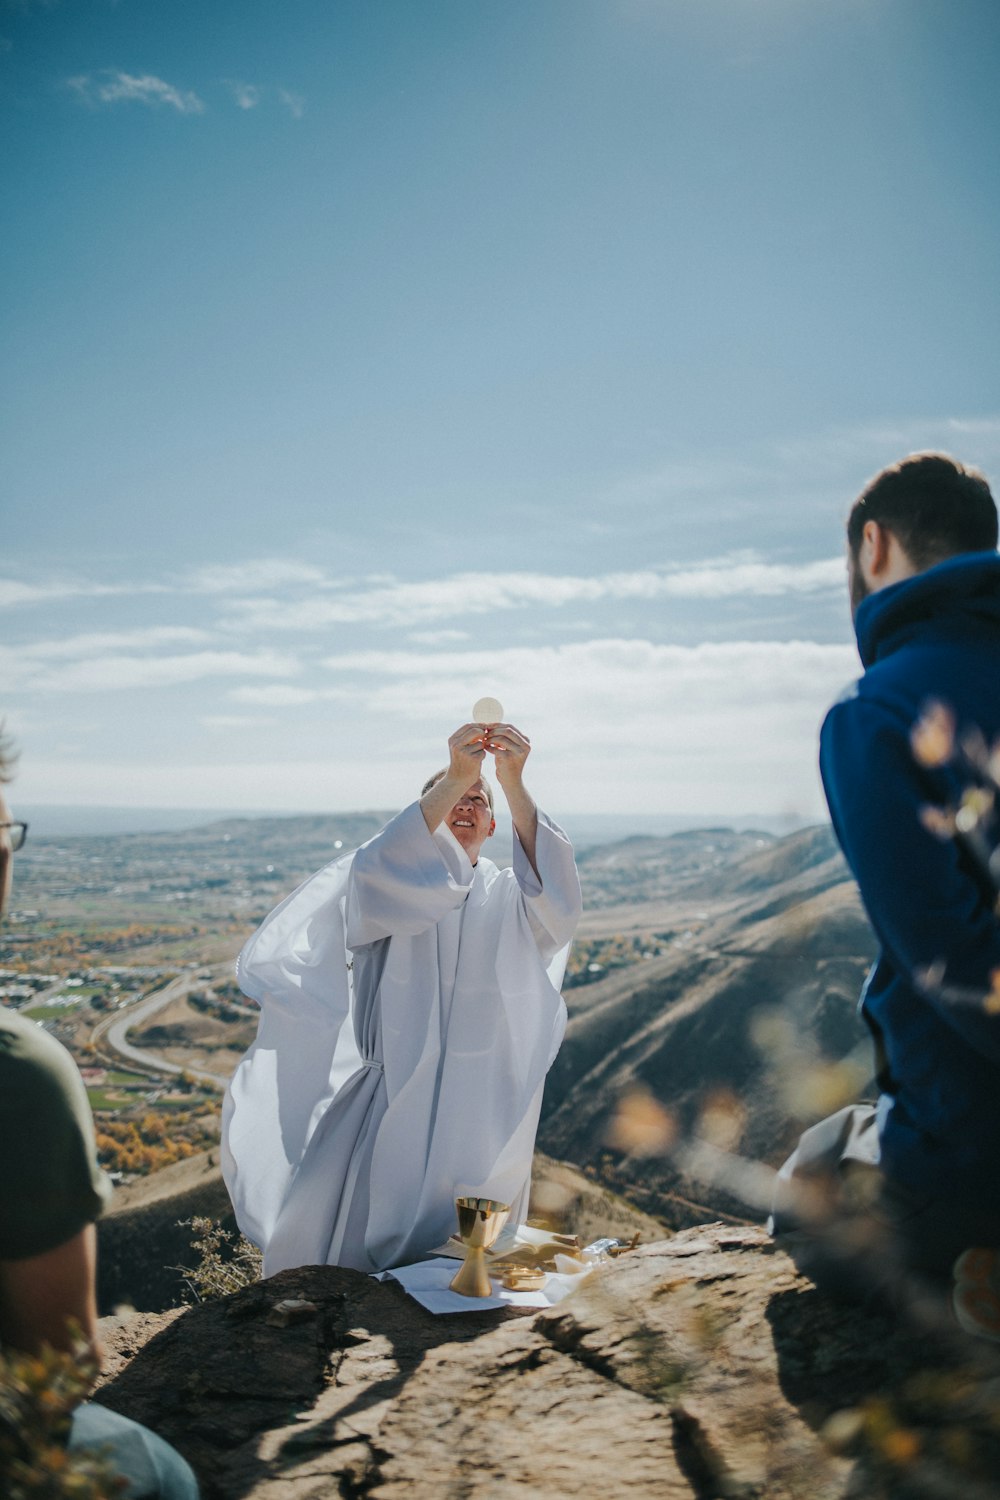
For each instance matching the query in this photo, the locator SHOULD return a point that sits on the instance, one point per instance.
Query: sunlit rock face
(702, 1365)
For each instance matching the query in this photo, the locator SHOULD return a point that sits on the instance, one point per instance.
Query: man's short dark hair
(934, 507)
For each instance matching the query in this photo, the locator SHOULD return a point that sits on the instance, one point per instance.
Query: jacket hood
(964, 589)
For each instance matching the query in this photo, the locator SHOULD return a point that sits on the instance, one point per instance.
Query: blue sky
(370, 355)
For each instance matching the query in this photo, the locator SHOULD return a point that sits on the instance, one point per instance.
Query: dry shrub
(228, 1261)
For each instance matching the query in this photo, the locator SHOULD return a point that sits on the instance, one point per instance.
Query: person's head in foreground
(51, 1192)
(913, 515)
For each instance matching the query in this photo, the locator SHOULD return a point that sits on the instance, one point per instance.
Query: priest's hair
(433, 781)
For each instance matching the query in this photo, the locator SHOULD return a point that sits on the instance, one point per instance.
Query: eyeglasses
(18, 834)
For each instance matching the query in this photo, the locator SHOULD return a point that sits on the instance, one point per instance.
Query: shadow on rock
(910, 1398)
(248, 1386)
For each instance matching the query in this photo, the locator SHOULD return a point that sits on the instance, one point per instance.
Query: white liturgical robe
(410, 1010)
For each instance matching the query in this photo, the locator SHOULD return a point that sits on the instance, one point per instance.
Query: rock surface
(703, 1366)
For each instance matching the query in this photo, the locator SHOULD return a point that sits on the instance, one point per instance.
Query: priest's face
(471, 821)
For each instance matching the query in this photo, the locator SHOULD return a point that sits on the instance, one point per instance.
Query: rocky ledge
(703, 1366)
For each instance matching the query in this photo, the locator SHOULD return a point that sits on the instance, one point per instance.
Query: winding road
(113, 1030)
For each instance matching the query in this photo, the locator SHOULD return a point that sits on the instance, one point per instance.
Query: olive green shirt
(50, 1184)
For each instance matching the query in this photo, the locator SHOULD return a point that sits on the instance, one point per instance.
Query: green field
(189, 1101)
(51, 1012)
(101, 1099)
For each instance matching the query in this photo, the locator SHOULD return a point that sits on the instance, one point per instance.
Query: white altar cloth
(428, 1282)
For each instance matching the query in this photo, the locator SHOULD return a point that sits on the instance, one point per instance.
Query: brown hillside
(739, 1033)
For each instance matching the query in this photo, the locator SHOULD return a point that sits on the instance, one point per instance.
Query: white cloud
(255, 575)
(282, 695)
(294, 103)
(117, 673)
(752, 577)
(245, 95)
(867, 447)
(143, 639)
(976, 426)
(248, 96)
(684, 478)
(229, 722)
(466, 594)
(14, 592)
(577, 677)
(270, 594)
(111, 86)
(438, 637)
(331, 783)
(616, 725)
(774, 479)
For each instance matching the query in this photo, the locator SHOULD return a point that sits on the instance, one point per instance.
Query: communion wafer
(488, 711)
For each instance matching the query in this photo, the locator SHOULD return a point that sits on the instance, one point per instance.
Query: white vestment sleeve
(552, 898)
(405, 879)
(295, 967)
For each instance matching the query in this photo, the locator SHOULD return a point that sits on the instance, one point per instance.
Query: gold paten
(524, 1278)
(480, 1221)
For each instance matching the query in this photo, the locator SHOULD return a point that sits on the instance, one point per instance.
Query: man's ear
(493, 824)
(875, 539)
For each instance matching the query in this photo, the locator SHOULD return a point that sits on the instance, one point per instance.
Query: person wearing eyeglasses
(51, 1192)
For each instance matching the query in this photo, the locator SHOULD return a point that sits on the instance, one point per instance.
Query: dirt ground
(191, 1038)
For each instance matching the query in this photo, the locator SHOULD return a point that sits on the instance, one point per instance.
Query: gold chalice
(480, 1221)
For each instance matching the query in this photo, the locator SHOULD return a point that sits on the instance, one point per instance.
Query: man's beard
(859, 589)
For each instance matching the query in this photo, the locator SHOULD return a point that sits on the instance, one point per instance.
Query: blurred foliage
(936, 1435)
(38, 1395)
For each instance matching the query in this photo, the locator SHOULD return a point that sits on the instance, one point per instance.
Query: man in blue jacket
(915, 1178)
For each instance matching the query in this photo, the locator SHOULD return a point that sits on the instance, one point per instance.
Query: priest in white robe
(410, 1010)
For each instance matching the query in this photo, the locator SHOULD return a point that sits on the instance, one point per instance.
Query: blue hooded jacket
(933, 637)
